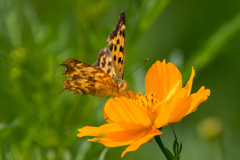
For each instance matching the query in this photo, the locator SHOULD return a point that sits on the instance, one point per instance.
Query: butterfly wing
(105, 76)
(104, 62)
(116, 46)
(87, 79)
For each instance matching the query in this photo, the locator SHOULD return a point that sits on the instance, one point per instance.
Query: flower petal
(173, 91)
(127, 94)
(181, 108)
(137, 144)
(174, 109)
(190, 81)
(126, 111)
(161, 78)
(199, 97)
(119, 134)
(128, 136)
(97, 131)
(111, 135)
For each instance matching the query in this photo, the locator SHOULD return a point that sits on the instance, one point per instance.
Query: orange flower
(165, 81)
(136, 120)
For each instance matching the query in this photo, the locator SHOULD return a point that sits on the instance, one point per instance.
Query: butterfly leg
(121, 93)
(130, 87)
(128, 94)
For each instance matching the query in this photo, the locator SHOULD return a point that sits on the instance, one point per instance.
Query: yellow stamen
(148, 101)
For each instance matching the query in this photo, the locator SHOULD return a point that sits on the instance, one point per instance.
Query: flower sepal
(177, 148)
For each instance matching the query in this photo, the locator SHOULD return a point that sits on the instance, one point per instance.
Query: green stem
(162, 147)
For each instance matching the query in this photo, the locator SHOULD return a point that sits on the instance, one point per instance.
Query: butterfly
(105, 76)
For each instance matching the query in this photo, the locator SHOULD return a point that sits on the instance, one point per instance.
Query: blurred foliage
(39, 121)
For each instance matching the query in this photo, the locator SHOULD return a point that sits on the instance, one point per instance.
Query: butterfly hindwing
(116, 46)
(87, 79)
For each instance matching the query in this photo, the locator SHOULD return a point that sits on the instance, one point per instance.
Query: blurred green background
(38, 120)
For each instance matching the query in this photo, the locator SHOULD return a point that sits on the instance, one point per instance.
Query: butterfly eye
(116, 81)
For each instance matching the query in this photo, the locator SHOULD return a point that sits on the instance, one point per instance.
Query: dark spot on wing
(110, 63)
(115, 48)
(123, 34)
(100, 55)
(82, 90)
(103, 62)
(90, 78)
(88, 88)
(108, 71)
(118, 41)
(91, 85)
(119, 59)
(121, 49)
(69, 69)
(114, 58)
(83, 73)
(76, 77)
(120, 33)
(78, 84)
(111, 47)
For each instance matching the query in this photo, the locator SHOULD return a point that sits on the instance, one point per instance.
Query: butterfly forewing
(116, 46)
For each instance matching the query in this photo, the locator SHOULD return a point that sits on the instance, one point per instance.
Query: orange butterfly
(105, 77)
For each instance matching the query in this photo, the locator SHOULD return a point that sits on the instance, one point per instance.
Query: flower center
(148, 101)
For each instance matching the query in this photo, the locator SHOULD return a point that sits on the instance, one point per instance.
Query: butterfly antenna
(136, 68)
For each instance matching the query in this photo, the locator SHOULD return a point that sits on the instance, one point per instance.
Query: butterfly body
(105, 76)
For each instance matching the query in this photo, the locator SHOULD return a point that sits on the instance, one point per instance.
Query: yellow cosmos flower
(136, 120)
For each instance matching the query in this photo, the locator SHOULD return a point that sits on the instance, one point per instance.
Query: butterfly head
(122, 85)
